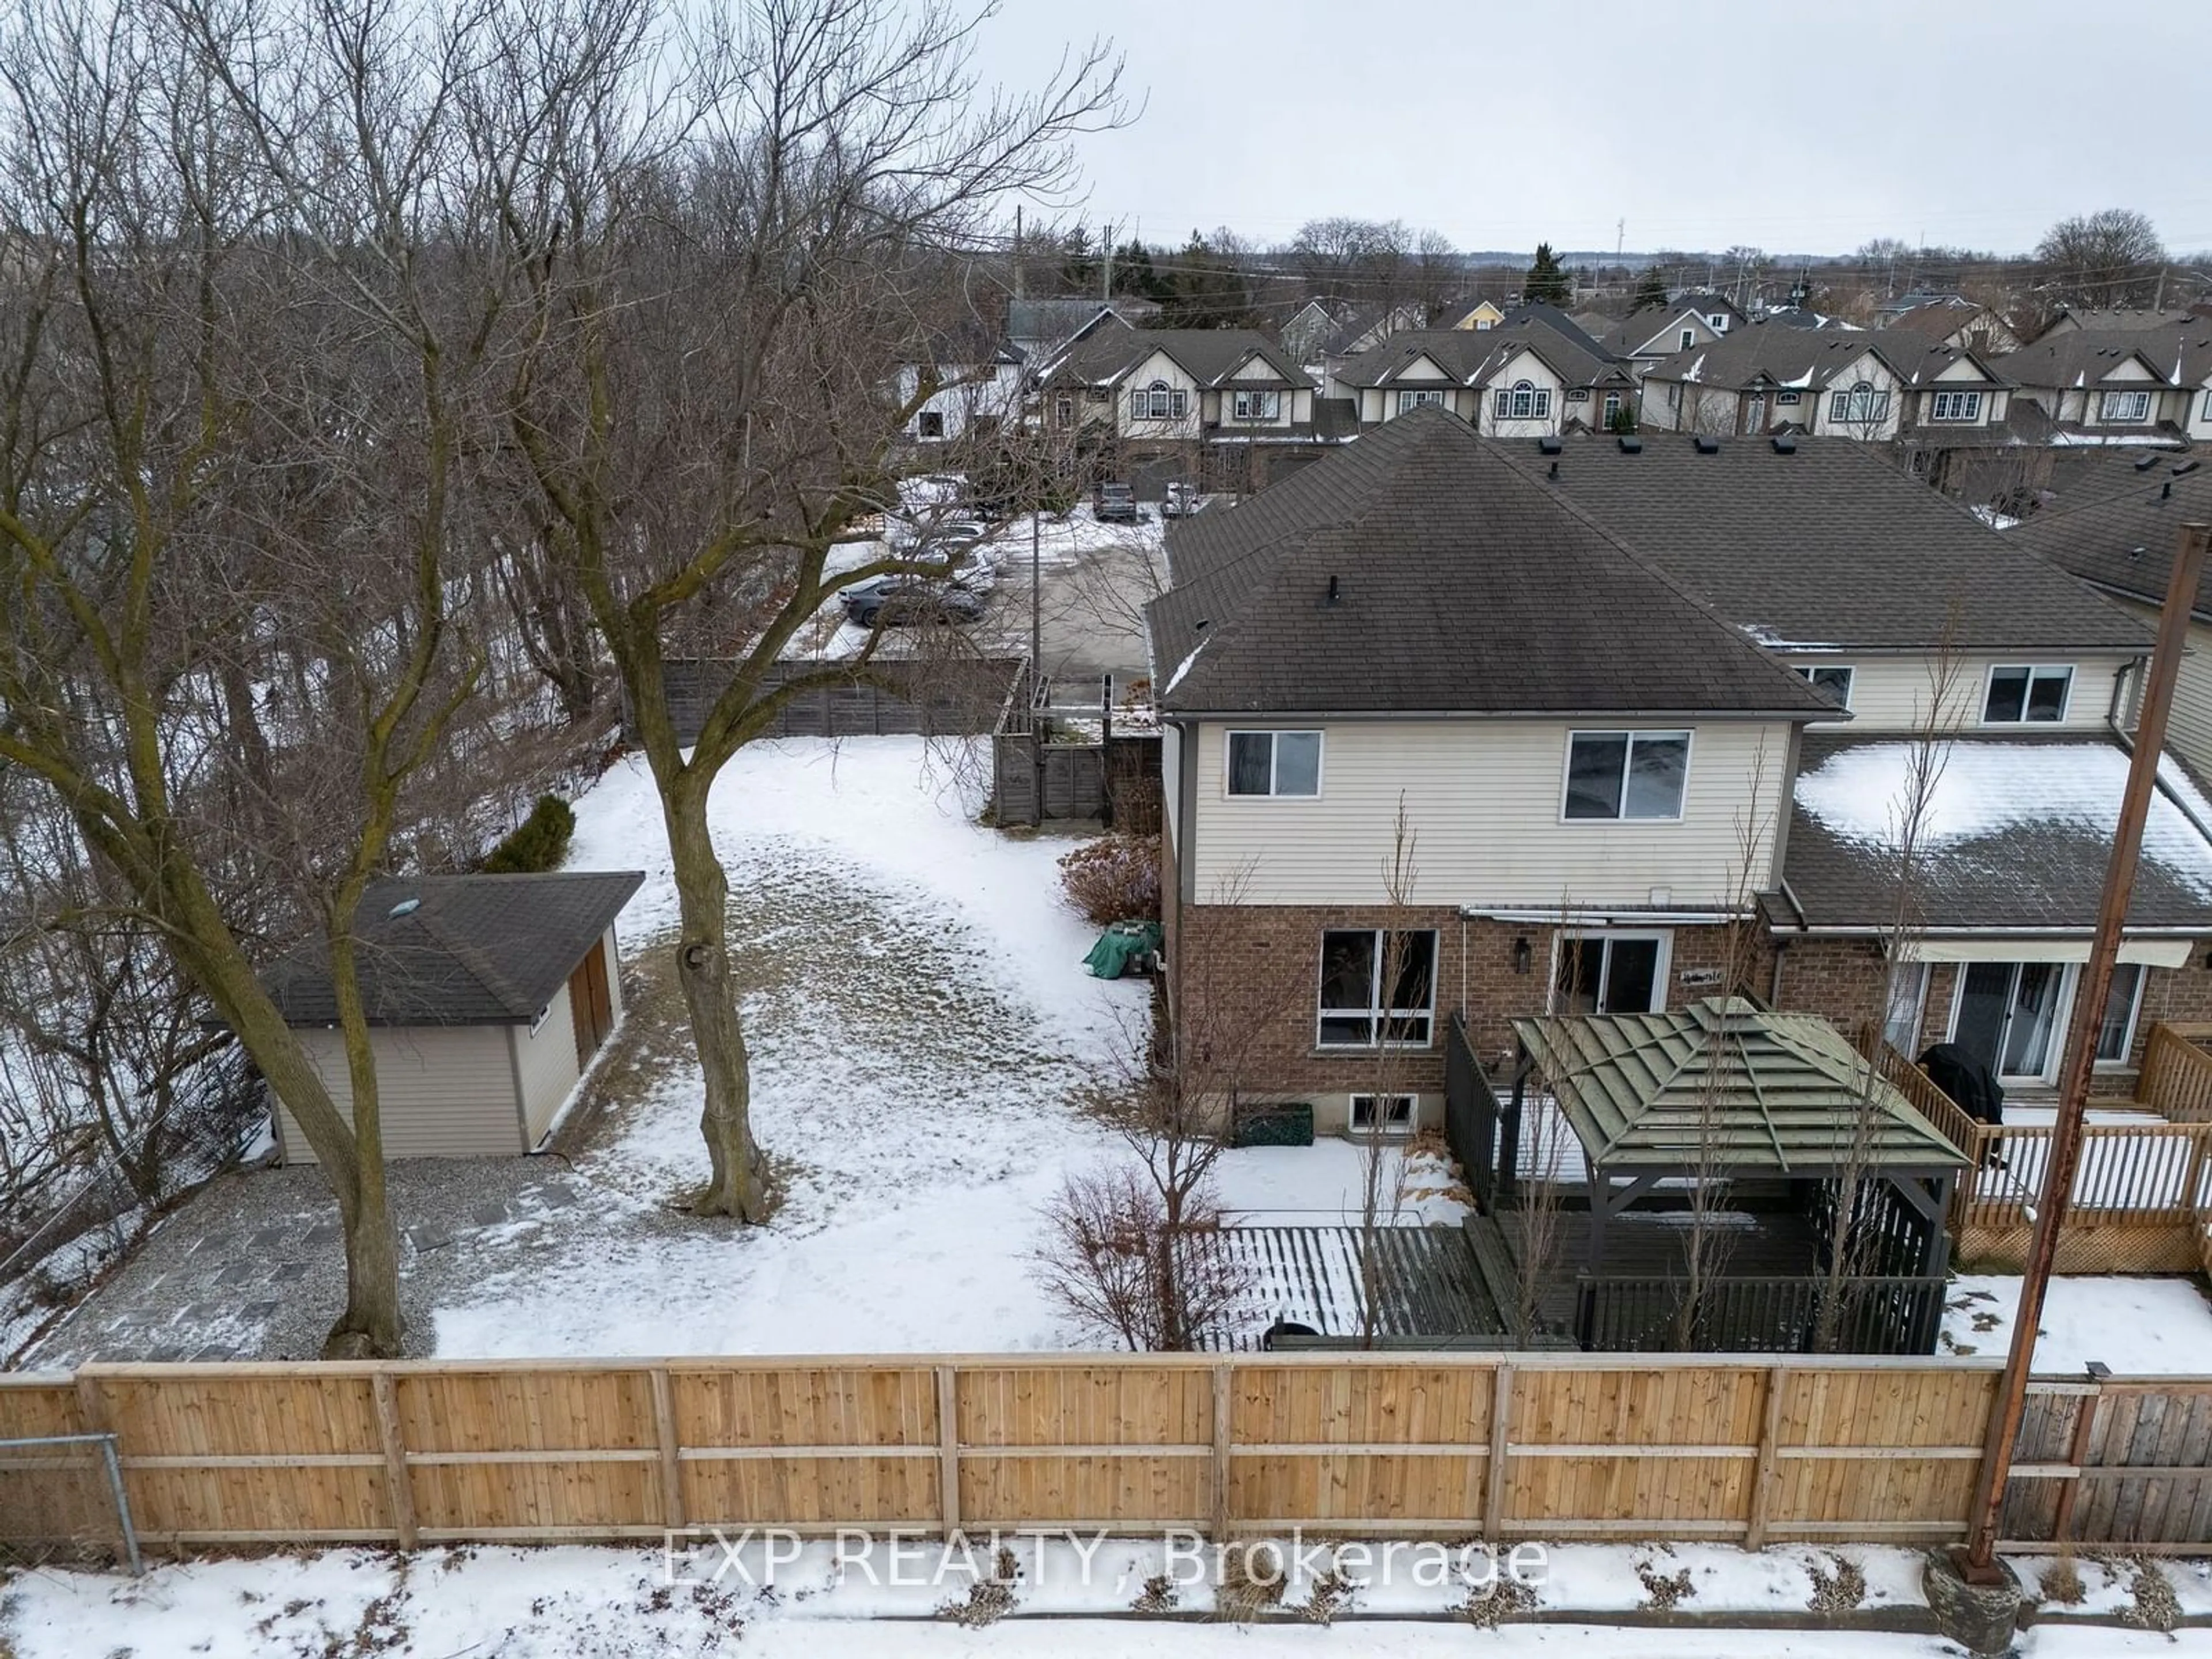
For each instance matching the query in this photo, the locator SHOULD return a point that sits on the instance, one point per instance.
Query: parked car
(902, 601)
(1180, 501)
(1114, 503)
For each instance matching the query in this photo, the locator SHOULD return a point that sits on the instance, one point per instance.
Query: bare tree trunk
(738, 1185)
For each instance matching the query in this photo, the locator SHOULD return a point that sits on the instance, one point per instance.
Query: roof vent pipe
(1331, 590)
(1554, 474)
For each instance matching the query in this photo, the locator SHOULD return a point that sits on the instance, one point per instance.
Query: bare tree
(1851, 1228)
(2103, 259)
(711, 293)
(1381, 1162)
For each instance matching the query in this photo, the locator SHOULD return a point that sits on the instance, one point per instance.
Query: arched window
(1524, 401)
(1860, 406)
(1157, 402)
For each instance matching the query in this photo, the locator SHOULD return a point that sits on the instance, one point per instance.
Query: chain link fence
(62, 1499)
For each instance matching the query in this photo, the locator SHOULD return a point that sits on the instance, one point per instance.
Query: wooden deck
(1428, 1291)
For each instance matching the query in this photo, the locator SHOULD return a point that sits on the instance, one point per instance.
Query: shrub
(538, 843)
(1114, 879)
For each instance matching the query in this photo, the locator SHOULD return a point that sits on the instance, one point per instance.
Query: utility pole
(2159, 304)
(1975, 1559)
(1018, 250)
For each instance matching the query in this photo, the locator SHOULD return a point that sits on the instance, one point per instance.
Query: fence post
(948, 1448)
(112, 1463)
(2077, 1454)
(1224, 1418)
(671, 1460)
(396, 1478)
(1501, 1420)
(1763, 1473)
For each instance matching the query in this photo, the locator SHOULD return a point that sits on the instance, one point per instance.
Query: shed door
(590, 1007)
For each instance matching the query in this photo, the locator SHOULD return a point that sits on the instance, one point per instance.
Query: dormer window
(1418, 398)
(1256, 405)
(1719, 320)
(1956, 406)
(1689, 338)
(1860, 406)
(2125, 407)
(1524, 400)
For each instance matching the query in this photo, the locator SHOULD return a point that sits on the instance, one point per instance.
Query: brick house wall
(1245, 981)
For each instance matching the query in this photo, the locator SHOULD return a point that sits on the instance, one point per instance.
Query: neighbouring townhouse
(1761, 379)
(1645, 337)
(1042, 329)
(1528, 377)
(980, 381)
(1600, 725)
(1307, 328)
(2124, 544)
(1477, 315)
(2120, 386)
(1216, 400)
(2124, 320)
(1954, 320)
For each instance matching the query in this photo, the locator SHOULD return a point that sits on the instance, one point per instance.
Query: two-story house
(1212, 396)
(1954, 320)
(1453, 725)
(1479, 315)
(1764, 378)
(1884, 592)
(1525, 378)
(1647, 335)
(979, 386)
(2106, 387)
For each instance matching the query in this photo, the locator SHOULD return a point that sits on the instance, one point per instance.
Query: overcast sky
(1796, 128)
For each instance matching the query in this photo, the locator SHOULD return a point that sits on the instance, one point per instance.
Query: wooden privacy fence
(2114, 1462)
(1519, 1445)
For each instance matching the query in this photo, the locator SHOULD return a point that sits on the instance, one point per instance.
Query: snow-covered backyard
(595, 1603)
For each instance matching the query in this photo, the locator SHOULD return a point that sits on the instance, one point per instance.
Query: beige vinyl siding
(1171, 781)
(545, 1060)
(2189, 722)
(446, 1091)
(1892, 694)
(1483, 799)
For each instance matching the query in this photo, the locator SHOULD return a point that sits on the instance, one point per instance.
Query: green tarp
(1120, 946)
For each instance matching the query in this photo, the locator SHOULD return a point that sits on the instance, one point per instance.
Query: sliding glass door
(2009, 1016)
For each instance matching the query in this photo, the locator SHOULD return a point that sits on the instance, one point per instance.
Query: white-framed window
(1610, 972)
(1276, 764)
(2208, 405)
(1158, 402)
(2124, 406)
(1579, 394)
(1384, 1114)
(1524, 400)
(540, 1019)
(1903, 1005)
(1611, 408)
(1421, 398)
(1860, 406)
(1616, 775)
(1787, 399)
(1256, 405)
(1719, 319)
(930, 424)
(2116, 1028)
(1063, 411)
(2026, 695)
(1956, 406)
(1098, 394)
(1378, 988)
(1832, 680)
(1689, 339)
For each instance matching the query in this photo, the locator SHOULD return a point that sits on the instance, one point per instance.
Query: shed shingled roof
(1725, 1082)
(1417, 569)
(474, 950)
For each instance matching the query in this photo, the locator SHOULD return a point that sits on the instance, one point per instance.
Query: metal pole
(114, 1465)
(1975, 1559)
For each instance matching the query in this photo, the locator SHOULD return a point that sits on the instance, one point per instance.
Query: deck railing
(2176, 1080)
(1616, 1314)
(2144, 1174)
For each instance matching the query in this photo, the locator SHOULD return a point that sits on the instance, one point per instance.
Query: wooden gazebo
(1726, 1114)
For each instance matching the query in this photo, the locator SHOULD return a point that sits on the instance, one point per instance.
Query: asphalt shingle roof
(2126, 542)
(2179, 355)
(1418, 569)
(1208, 355)
(1827, 546)
(474, 950)
(1807, 358)
(2018, 838)
(1471, 356)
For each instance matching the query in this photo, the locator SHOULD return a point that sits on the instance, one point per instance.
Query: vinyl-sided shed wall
(446, 1091)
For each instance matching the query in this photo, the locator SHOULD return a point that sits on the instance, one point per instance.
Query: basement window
(1382, 1113)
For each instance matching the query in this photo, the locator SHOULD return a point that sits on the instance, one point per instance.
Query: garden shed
(487, 998)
